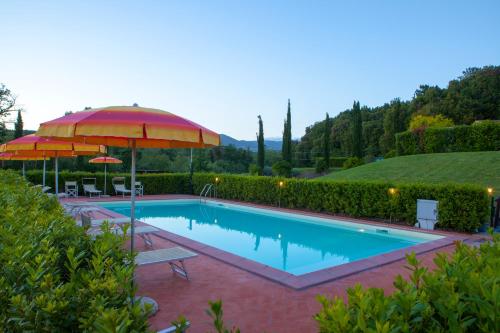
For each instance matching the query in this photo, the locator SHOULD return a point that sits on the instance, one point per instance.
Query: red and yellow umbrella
(133, 127)
(14, 157)
(118, 126)
(105, 160)
(35, 146)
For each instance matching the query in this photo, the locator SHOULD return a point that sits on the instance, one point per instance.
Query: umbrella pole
(105, 178)
(43, 177)
(56, 167)
(24, 171)
(132, 198)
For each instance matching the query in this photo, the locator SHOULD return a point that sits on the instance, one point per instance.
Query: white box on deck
(427, 213)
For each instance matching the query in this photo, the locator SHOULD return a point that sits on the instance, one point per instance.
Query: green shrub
(321, 165)
(481, 136)
(254, 169)
(337, 162)
(422, 121)
(53, 277)
(282, 169)
(461, 207)
(461, 295)
(352, 162)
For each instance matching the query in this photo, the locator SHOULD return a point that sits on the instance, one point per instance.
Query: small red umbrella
(105, 160)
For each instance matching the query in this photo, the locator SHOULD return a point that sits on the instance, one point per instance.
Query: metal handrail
(207, 190)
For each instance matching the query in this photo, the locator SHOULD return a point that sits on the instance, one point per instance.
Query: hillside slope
(482, 168)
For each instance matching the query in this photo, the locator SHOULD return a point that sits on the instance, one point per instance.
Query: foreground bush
(461, 295)
(461, 207)
(53, 277)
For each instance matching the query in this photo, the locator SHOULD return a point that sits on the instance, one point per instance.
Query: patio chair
(139, 188)
(119, 186)
(71, 189)
(89, 187)
(174, 256)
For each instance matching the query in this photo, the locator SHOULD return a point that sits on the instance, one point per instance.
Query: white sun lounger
(174, 256)
(111, 220)
(90, 189)
(143, 231)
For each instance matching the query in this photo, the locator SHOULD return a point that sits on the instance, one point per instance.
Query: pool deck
(258, 298)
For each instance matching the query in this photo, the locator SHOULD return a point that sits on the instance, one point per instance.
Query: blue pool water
(293, 243)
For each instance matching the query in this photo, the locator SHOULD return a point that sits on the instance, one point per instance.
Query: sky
(223, 63)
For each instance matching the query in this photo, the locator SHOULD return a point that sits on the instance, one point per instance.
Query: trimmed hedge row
(53, 277)
(461, 207)
(484, 136)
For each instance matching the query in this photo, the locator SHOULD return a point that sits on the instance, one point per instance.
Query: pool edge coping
(311, 279)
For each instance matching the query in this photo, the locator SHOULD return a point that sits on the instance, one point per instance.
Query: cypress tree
(18, 126)
(326, 141)
(260, 147)
(286, 148)
(357, 131)
(3, 132)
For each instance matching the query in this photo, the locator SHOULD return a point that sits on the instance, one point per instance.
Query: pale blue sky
(221, 63)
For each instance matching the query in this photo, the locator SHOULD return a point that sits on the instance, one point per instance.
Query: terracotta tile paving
(251, 302)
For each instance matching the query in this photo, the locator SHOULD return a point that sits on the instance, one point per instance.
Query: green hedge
(53, 277)
(461, 295)
(461, 207)
(337, 162)
(483, 136)
(157, 183)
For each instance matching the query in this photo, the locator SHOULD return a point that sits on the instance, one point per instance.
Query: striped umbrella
(32, 145)
(105, 160)
(14, 157)
(132, 127)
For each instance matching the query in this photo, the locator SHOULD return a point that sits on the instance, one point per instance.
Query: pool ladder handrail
(208, 190)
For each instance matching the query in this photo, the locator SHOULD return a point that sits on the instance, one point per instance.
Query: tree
(394, 122)
(421, 122)
(18, 126)
(326, 142)
(286, 149)
(357, 130)
(260, 147)
(7, 101)
(3, 132)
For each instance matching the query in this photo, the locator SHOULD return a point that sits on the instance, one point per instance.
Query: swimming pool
(292, 243)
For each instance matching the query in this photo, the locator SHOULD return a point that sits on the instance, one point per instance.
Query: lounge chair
(110, 220)
(172, 329)
(71, 189)
(77, 208)
(174, 256)
(119, 186)
(143, 231)
(89, 187)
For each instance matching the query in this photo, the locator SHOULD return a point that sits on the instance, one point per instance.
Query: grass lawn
(482, 168)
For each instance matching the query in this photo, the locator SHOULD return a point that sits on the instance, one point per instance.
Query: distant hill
(226, 140)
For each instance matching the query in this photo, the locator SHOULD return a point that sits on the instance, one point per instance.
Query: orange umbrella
(105, 160)
(32, 145)
(132, 127)
(14, 157)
